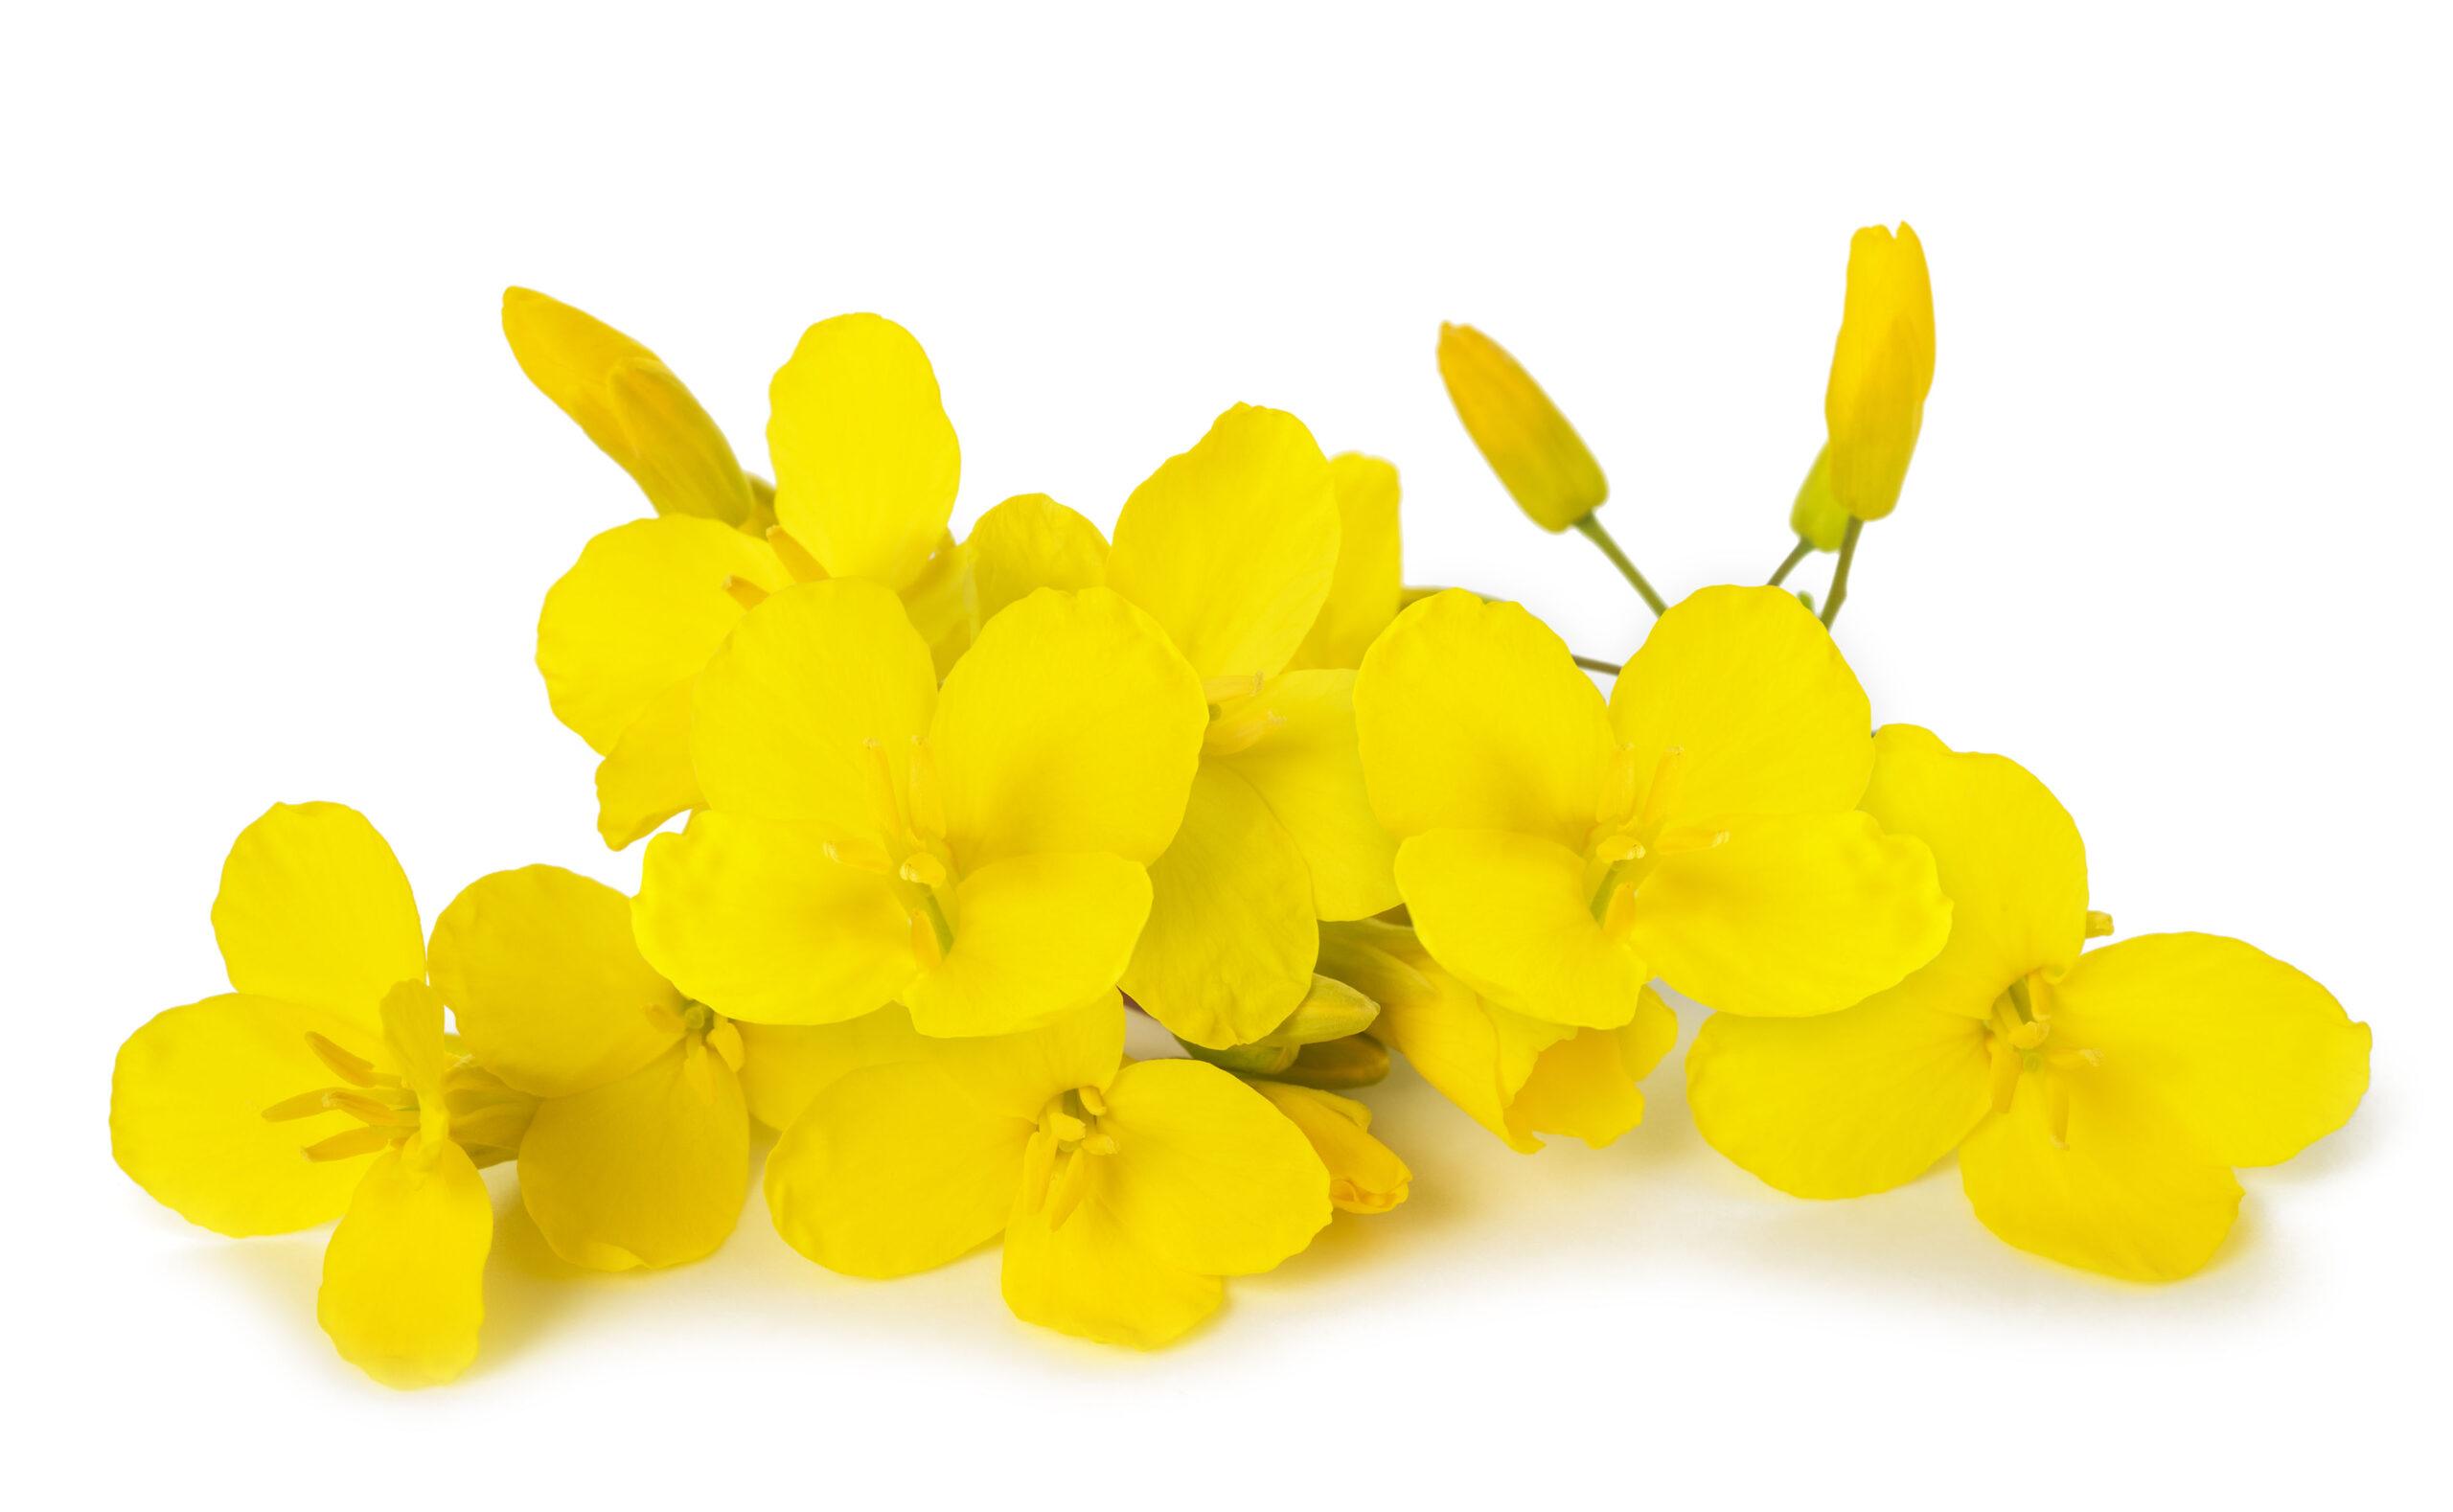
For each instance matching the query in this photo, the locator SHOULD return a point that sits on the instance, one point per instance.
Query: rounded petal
(1507, 913)
(1790, 916)
(647, 777)
(1091, 1278)
(1746, 688)
(783, 1067)
(1844, 1104)
(1308, 768)
(314, 909)
(1365, 593)
(629, 403)
(1472, 715)
(896, 1170)
(1208, 1174)
(2008, 856)
(749, 917)
(545, 984)
(1587, 1086)
(866, 464)
(403, 1289)
(2256, 1060)
(1364, 1175)
(783, 716)
(1034, 936)
(188, 1097)
(2130, 1196)
(1018, 1075)
(1232, 545)
(1070, 725)
(1030, 542)
(1227, 951)
(645, 1169)
(642, 610)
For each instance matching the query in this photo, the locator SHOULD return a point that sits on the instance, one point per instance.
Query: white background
(281, 509)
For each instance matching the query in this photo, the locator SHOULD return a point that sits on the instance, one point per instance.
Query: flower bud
(1881, 369)
(1536, 453)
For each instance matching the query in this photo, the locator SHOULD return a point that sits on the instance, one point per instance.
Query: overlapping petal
(866, 464)
(404, 1276)
(1209, 1174)
(1026, 543)
(1308, 769)
(314, 909)
(783, 1067)
(1093, 1278)
(645, 1169)
(647, 777)
(1509, 914)
(1366, 589)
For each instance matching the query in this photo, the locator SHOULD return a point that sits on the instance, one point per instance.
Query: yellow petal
(1473, 716)
(404, 1278)
(1207, 1175)
(1030, 542)
(1536, 453)
(313, 909)
(1509, 915)
(2130, 1196)
(642, 610)
(546, 987)
(2253, 1058)
(1364, 1175)
(1818, 517)
(1094, 1279)
(1070, 725)
(2008, 856)
(1844, 1104)
(1227, 951)
(1441, 1026)
(1881, 369)
(1363, 592)
(188, 1097)
(939, 604)
(783, 1067)
(1759, 708)
(1033, 936)
(647, 1169)
(749, 917)
(895, 1169)
(647, 777)
(1018, 1075)
(1586, 1087)
(866, 460)
(1791, 916)
(1308, 768)
(1231, 545)
(783, 718)
(629, 403)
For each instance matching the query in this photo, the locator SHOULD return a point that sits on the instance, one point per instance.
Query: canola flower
(2098, 1098)
(956, 806)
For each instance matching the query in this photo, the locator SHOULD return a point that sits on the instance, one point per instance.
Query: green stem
(1840, 574)
(1789, 562)
(1596, 664)
(1591, 528)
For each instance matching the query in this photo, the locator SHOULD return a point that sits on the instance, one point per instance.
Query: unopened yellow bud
(1817, 516)
(1536, 453)
(1881, 369)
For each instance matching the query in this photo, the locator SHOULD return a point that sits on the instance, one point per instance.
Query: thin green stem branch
(1596, 664)
(1789, 562)
(1840, 574)
(1589, 527)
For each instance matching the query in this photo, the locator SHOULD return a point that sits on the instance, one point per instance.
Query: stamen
(924, 870)
(1067, 1129)
(1227, 737)
(1038, 1164)
(925, 948)
(862, 853)
(1226, 690)
(884, 801)
(746, 593)
(725, 1041)
(795, 556)
(1617, 799)
(1620, 914)
(1092, 1103)
(2028, 1035)
(370, 1111)
(306, 1105)
(1073, 1185)
(2098, 924)
(1664, 782)
(354, 1070)
(349, 1142)
(663, 1020)
(1101, 1143)
(2057, 1110)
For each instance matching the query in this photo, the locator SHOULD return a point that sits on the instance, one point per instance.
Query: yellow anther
(2057, 1110)
(306, 1105)
(1683, 841)
(1228, 736)
(2028, 1035)
(349, 1142)
(1663, 785)
(1617, 803)
(1619, 915)
(369, 1109)
(1618, 848)
(1219, 691)
(663, 1020)
(795, 556)
(1099, 1144)
(746, 593)
(1071, 1186)
(725, 1041)
(862, 853)
(924, 947)
(357, 1070)
(1092, 1102)
(2098, 924)
(924, 870)
(1067, 1129)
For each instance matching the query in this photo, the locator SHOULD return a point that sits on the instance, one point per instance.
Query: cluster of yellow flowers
(957, 807)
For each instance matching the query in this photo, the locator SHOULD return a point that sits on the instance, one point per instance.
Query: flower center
(907, 846)
(1240, 718)
(1631, 832)
(1061, 1159)
(796, 560)
(386, 1107)
(2023, 1044)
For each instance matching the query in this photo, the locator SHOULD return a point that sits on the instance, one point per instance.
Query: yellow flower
(638, 1154)
(213, 1104)
(1536, 453)
(1124, 1191)
(1367, 590)
(1364, 1175)
(1703, 826)
(1233, 548)
(978, 854)
(1881, 368)
(1516, 1076)
(866, 464)
(2097, 1100)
